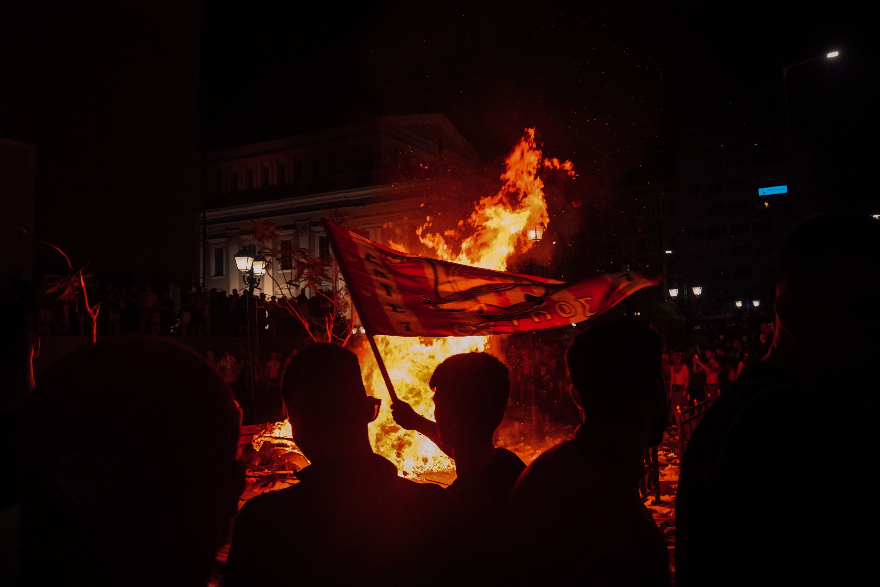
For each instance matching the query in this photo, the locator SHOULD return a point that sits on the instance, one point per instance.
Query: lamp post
(252, 268)
(785, 71)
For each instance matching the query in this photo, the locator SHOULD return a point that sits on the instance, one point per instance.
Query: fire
(497, 229)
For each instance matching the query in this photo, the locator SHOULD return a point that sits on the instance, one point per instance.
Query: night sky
(611, 86)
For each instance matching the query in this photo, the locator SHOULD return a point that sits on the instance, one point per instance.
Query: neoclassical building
(380, 173)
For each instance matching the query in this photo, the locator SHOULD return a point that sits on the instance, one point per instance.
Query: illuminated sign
(776, 189)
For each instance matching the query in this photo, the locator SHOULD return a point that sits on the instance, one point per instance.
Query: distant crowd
(191, 313)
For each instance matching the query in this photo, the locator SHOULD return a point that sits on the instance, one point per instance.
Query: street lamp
(252, 267)
(536, 233)
(673, 292)
(697, 290)
(738, 303)
(756, 303)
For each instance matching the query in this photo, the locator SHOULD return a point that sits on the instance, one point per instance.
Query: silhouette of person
(576, 509)
(777, 479)
(470, 396)
(18, 348)
(351, 520)
(138, 481)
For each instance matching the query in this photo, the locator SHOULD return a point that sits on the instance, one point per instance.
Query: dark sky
(609, 85)
(120, 97)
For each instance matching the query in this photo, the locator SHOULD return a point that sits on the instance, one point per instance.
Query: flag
(401, 295)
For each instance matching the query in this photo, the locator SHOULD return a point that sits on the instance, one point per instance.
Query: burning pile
(495, 230)
(488, 238)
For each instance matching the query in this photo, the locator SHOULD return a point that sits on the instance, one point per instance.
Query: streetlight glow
(259, 265)
(697, 290)
(668, 252)
(832, 55)
(756, 303)
(243, 260)
(673, 292)
(739, 304)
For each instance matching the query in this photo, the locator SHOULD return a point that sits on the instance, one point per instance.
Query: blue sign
(776, 189)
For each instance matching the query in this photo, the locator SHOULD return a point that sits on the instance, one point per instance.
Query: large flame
(495, 230)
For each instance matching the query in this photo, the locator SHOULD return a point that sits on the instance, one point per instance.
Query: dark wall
(109, 94)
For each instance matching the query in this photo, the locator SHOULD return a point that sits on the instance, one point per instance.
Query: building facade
(378, 175)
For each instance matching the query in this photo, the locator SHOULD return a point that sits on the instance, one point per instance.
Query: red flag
(400, 295)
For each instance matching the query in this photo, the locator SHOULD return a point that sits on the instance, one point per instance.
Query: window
(286, 259)
(250, 179)
(323, 248)
(264, 183)
(219, 263)
(281, 171)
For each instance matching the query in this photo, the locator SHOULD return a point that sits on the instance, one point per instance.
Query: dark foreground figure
(350, 520)
(575, 516)
(470, 396)
(128, 472)
(778, 481)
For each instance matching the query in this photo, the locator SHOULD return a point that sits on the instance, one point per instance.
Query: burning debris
(497, 229)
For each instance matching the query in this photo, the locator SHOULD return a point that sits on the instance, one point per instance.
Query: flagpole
(354, 298)
(382, 368)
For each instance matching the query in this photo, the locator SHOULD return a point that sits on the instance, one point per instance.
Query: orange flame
(498, 227)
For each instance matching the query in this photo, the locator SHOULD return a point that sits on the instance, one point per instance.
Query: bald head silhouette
(128, 466)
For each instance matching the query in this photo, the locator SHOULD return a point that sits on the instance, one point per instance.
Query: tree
(68, 287)
(298, 267)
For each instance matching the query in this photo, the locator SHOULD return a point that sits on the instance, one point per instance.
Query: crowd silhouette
(100, 487)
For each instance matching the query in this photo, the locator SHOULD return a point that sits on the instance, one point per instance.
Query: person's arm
(408, 419)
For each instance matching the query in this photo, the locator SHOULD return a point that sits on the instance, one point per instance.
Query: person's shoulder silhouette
(128, 465)
(576, 508)
(805, 412)
(351, 518)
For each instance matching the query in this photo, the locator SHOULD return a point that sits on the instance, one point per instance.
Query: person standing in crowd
(765, 340)
(351, 520)
(109, 498)
(794, 428)
(680, 378)
(697, 381)
(471, 391)
(274, 402)
(712, 368)
(576, 509)
(293, 354)
(228, 368)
